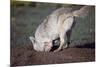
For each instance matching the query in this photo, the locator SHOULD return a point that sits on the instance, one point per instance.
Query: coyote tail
(82, 12)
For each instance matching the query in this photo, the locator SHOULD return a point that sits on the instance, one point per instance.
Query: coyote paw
(57, 50)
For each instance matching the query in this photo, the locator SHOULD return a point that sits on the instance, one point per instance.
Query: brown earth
(27, 56)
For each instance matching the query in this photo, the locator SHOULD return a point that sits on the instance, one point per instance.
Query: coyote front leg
(67, 38)
(62, 41)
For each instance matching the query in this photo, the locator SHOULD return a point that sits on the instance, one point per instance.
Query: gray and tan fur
(56, 25)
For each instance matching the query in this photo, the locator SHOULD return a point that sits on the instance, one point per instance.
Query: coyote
(54, 26)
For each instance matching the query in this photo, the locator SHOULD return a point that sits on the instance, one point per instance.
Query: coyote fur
(55, 25)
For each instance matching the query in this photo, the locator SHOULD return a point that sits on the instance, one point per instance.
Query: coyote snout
(56, 25)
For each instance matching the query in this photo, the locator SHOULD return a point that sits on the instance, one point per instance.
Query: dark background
(25, 18)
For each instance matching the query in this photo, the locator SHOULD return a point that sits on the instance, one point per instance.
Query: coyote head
(41, 46)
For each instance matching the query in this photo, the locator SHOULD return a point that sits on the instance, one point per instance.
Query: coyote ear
(32, 39)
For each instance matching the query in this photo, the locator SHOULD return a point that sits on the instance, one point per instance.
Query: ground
(25, 55)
